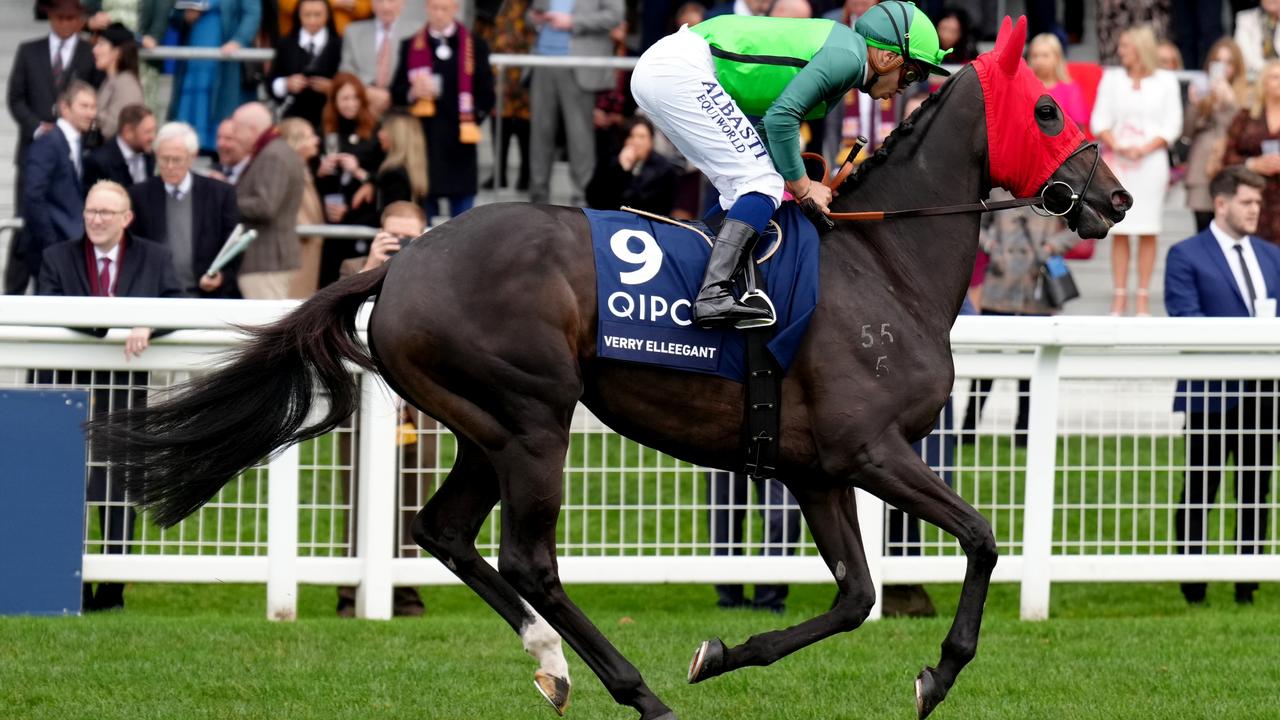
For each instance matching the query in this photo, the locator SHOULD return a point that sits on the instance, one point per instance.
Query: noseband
(1075, 200)
(1046, 203)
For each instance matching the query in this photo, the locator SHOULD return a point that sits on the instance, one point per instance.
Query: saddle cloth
(648, 272)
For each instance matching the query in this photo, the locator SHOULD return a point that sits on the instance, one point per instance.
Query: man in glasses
(417, 434)
(106, 262)
(731, 93)
(191, 215)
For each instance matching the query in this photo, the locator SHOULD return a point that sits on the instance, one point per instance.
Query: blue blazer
(1198, 283)
(52, 197)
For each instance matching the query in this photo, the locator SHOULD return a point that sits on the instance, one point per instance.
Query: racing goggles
(911, 74)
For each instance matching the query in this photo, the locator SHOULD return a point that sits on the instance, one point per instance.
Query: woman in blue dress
(206, 91)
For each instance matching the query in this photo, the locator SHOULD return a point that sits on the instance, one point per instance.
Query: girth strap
(762, 421)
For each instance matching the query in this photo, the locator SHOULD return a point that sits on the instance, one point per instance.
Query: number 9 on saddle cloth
(648, 270)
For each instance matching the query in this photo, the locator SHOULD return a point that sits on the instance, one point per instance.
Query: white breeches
(675, 84)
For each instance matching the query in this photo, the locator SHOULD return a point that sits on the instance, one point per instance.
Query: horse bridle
(1039, 203)
(1076, 199)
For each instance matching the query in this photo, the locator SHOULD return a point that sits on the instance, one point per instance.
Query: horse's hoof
(554, 688)
(929, 692)
(708, 661)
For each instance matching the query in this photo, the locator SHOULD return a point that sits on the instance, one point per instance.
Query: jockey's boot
(716, 305)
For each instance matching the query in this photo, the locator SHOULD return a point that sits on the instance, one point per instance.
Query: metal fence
(1083, 482)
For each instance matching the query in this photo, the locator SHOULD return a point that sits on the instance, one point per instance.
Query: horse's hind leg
(447, 527)
(898, 475)
(833, 521)
(531, 473)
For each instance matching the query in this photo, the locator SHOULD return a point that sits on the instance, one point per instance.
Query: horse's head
(1034, 149)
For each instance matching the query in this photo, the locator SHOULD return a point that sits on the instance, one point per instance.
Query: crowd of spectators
(369, 106)
(356, 70)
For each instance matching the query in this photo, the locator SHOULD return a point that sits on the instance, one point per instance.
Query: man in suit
(232, 158)
(52, 198)
(568, 27)
(268, 195)
(42, 69)
(189, 214)
(1225, 272)
(371, 50)
(107, 262)
(127, 158)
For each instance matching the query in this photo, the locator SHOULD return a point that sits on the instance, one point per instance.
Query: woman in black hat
(115, 54)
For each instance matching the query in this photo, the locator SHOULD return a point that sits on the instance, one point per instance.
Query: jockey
(701, 84)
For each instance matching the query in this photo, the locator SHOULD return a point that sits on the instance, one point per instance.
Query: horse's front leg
(833, 521)
(896, 473)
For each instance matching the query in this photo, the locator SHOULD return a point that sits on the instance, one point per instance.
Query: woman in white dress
(1138, 115)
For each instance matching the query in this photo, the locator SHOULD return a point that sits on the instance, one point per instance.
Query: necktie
(177, 194)
(137, 168)
(383, 78)
(104, 278)
(57, 60)
(311, 53)
(1248, 277)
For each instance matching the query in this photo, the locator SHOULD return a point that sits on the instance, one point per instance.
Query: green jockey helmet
(891, 24)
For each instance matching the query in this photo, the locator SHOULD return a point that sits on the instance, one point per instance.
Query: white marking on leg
(543, 643)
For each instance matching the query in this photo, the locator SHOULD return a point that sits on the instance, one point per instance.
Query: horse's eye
(1048, 116)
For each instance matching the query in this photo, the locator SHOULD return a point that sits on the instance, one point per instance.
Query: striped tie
(383, 78)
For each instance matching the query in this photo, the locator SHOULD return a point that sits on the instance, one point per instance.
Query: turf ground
(197, 652)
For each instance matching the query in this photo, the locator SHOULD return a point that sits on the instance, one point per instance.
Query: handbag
(1057, 286)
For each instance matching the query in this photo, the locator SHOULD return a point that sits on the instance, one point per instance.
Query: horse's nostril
(1121, 200)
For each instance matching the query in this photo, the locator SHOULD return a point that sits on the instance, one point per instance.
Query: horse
(489, 325)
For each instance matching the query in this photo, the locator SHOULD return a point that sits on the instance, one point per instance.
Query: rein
(1041, 204)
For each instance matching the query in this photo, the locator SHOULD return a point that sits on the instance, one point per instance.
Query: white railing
(1092, 499)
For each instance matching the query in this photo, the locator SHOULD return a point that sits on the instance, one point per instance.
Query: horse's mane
(906, 129)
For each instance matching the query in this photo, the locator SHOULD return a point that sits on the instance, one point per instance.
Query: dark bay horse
(488, 324)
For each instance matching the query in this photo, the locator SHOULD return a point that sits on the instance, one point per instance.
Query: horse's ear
(1011, 51)
(1002, 37)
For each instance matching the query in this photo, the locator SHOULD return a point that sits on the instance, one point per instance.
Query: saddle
(762, 409)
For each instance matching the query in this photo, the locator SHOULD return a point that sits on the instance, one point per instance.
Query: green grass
(196, 652)
(1110, 651)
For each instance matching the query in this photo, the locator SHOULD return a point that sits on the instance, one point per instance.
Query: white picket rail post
(377, 505)
(1037, 519)
(282, 535)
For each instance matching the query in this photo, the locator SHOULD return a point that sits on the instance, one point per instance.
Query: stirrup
(760, 322)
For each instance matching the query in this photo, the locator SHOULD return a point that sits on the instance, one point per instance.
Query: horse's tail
(178, 454)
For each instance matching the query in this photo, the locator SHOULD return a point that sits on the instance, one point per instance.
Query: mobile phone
(332, 146)
(1217, 71)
